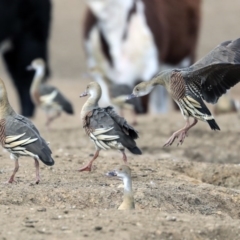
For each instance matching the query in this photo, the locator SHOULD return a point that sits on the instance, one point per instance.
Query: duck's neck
(127, 181)
(90, 104)
(128, 200)
(157, 80)
(37, 80)
(5, 107)
(105, 97)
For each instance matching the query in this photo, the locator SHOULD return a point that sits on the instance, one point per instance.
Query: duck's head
(93, 89)
(122, 172)
(141, 89)
(36, 65)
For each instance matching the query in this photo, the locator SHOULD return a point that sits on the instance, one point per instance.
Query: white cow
(129, 41)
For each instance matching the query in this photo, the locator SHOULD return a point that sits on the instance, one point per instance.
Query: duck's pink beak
(84, 94)
(111, 174)
(29, 68)
(131, 96)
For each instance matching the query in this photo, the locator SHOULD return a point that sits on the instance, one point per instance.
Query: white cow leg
(159, 100)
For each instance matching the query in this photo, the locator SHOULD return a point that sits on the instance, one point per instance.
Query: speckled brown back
(177, 85)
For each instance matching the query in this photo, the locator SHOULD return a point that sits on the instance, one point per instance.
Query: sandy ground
(186, 192)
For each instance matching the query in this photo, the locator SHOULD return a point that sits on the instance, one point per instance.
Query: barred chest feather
(177, 86)
(2, 132)
(86, 122)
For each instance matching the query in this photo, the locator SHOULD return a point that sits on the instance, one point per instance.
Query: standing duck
(208, 79)
(47, 97)
(20, 137)
(104, 127)
(124, 172)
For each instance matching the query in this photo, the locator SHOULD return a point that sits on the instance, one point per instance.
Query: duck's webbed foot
(182, 137)
(181, 134)
(88, 167)
(11, 180)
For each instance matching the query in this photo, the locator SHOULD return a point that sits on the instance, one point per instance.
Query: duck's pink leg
(124, 156)
(37, 171)
(88, 167)
(11, 179)
(182, 133)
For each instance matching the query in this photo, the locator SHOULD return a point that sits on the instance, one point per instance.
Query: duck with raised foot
(124, 172)
(20, 137)
(208, 79)
(104, 127)
(47, 97)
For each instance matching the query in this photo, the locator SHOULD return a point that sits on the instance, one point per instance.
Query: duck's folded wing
(22, 137)
(100, 128)
(107, 129)
(51, 94)
(215, 73)
(46, 89)
(127, 129)
(49, 98)
(26, 122)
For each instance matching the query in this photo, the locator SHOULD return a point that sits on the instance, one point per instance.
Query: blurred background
(191, 190)
(219, 22)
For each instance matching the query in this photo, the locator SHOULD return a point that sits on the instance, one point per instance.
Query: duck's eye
(120, 169)
(137, 89)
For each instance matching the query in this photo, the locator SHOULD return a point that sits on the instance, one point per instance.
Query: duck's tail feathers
(46, 157)
(135, 150)
(213, 125)
(49, 162)
(68, 108)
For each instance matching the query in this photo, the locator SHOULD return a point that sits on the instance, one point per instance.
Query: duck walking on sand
(20, 137)
(208, 79)
(124, 172)
(47, 97)
(104, 127)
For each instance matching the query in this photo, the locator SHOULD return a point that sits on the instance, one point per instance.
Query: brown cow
(131, 40)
